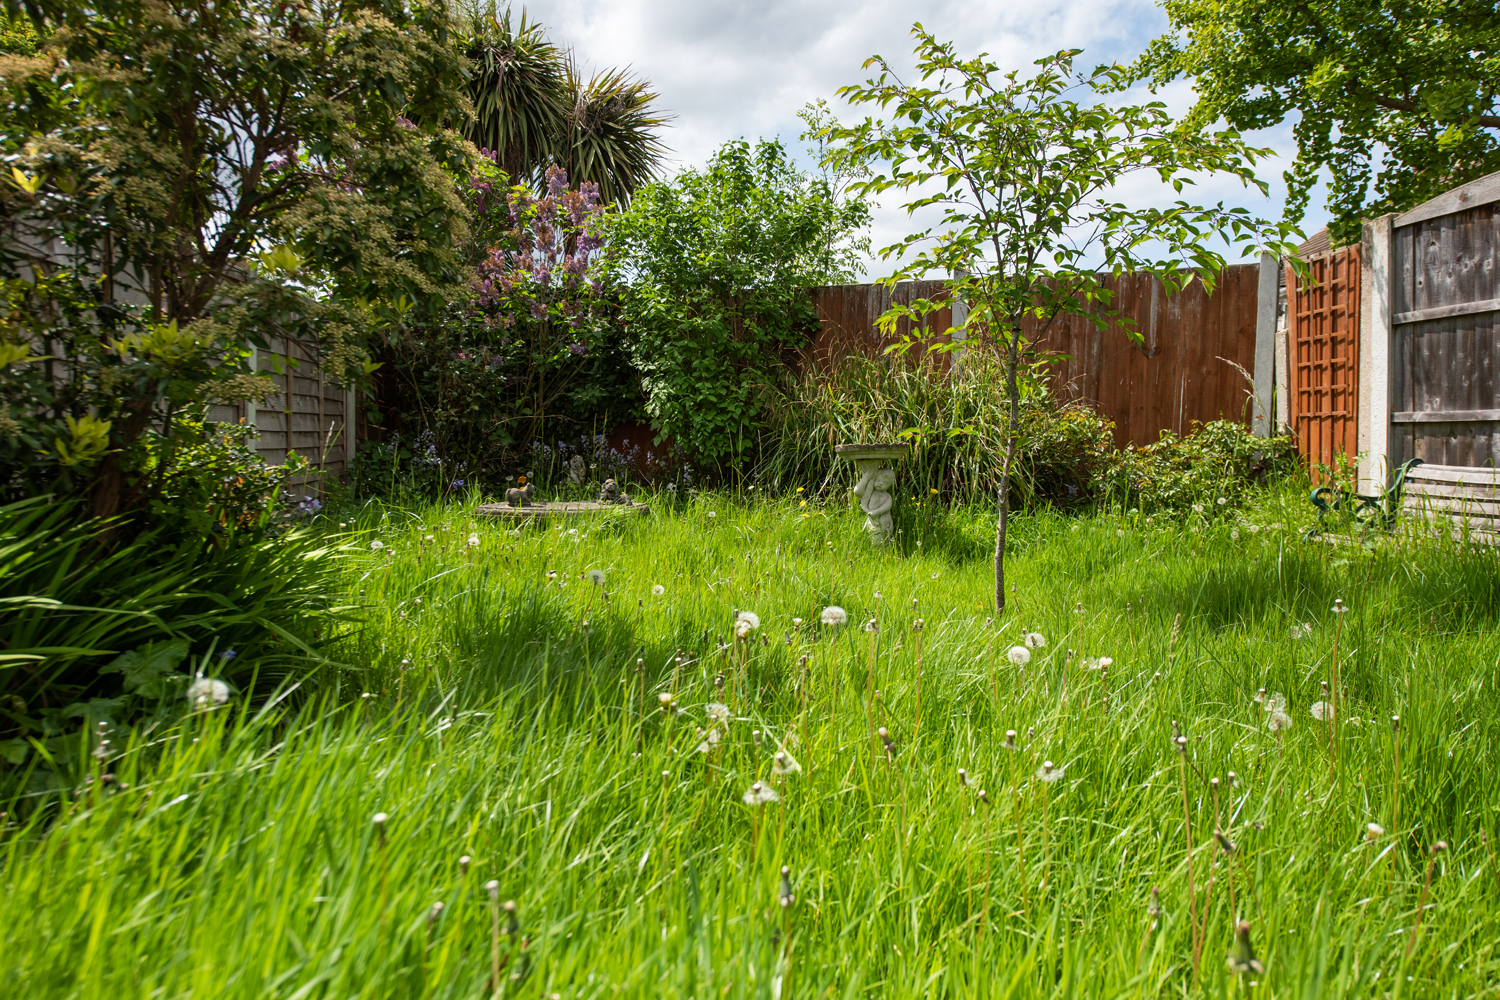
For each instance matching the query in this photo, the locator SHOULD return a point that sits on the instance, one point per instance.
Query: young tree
(1018, 173)
(1416, 84)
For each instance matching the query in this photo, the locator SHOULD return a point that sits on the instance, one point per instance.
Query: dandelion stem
(1187, 833)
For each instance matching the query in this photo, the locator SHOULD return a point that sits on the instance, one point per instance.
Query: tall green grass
(956, 425)
(515, 720)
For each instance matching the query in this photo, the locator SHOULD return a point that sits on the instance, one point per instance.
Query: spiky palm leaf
(521, 93)
(609, 136)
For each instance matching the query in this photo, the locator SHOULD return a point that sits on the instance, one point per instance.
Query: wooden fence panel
(1323, 368)
(1180, 371)
(847, 314)
(310, 414)
(1445, 332)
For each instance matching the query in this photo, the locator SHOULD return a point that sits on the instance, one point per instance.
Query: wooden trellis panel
(1323, 375)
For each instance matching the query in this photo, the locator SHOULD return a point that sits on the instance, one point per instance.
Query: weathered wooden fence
(1187, 364)
(311, 414)
(1428, 384)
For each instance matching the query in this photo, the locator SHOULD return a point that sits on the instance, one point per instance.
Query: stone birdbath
(876, 478)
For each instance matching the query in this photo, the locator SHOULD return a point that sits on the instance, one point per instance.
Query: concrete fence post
(1265, 346)
(1375, 312)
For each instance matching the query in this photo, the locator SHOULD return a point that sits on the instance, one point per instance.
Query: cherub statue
(874, 492)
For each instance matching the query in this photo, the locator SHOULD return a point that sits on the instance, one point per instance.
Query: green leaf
(145, 668)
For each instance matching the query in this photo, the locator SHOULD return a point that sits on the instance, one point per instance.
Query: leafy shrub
(1207, 471)
(713, 269)
(96, 628)
(531, 353)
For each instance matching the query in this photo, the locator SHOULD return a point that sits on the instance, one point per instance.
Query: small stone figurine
(874, 492)
(521, 497)
(610, 493)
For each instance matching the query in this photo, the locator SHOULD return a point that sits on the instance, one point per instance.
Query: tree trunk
(1012, 360)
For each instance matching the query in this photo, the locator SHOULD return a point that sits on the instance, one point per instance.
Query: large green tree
(1014, 177)
(188, 178)
(1395, 99)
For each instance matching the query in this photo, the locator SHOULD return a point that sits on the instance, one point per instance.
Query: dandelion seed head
(760, 794)
(870, 626)
(657, 590)
(1049, 772)
(379, 818)
(1010, 739)
(1035, 640)
(493, 888)
(834, 615)
(784, 763)
(1279, 721)
(716, 711)
(748, 620)
(1373, 831)
(1322, 711)
(596, 577)
(1019, 655)
(377, 545)
(207, 692)
(1339, 607)
(474, 538)
(963, 778)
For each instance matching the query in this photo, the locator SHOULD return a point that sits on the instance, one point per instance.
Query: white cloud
(728, 69)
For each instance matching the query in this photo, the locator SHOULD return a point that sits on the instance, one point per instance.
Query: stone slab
(867, 452)
(573, 508)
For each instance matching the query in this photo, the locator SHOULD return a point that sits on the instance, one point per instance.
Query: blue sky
(731, 69)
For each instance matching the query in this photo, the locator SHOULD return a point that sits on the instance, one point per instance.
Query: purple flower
(227, 655)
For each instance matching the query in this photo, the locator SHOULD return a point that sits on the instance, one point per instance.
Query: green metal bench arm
(1380, 509)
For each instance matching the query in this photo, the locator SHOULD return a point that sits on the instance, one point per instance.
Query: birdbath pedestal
(876, 478)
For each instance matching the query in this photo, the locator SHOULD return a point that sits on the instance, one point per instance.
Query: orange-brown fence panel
(1323, 370)
(1183, 364)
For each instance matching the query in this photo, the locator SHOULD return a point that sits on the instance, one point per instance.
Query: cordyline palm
(520, 92)
(533, 108)
(610, 134)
